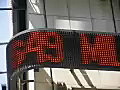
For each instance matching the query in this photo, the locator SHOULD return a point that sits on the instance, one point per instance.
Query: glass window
(5, 25)
(5, 4)
(6, 32)
(2, 58)
(3, 79)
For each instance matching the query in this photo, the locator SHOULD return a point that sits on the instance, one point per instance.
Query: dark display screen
(64, 49)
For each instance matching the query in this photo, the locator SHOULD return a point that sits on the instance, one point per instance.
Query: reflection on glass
(2, 58)
(5, 26)
(5, 4)
(3, 79)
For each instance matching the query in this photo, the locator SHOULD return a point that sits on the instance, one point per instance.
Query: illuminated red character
(48, 47)
(18, 54)
(102, 51)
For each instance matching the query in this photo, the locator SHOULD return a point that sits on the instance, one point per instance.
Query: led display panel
(63, 49)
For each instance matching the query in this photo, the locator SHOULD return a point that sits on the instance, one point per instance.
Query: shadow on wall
(43, 81)
(35, 14)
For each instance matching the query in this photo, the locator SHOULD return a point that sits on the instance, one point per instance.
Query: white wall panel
(73, 24)
(94, 77)
(100, 9)
(36, 21)
(42, 80)
(81, 78)
(103, 25)
(81, 24)
(58, 22)
(105, 79)
(116, 4)
(79, 8)
(118, 25)
(110, 79)
(64, 75)
(62, 23)
(35, 6)
(56, 7)
(51, 21)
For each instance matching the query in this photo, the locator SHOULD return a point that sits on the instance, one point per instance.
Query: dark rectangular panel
(63, 49)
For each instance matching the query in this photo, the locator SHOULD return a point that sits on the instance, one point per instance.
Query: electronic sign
(63, 49)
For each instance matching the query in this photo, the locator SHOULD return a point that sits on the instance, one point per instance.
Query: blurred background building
(84, 15)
